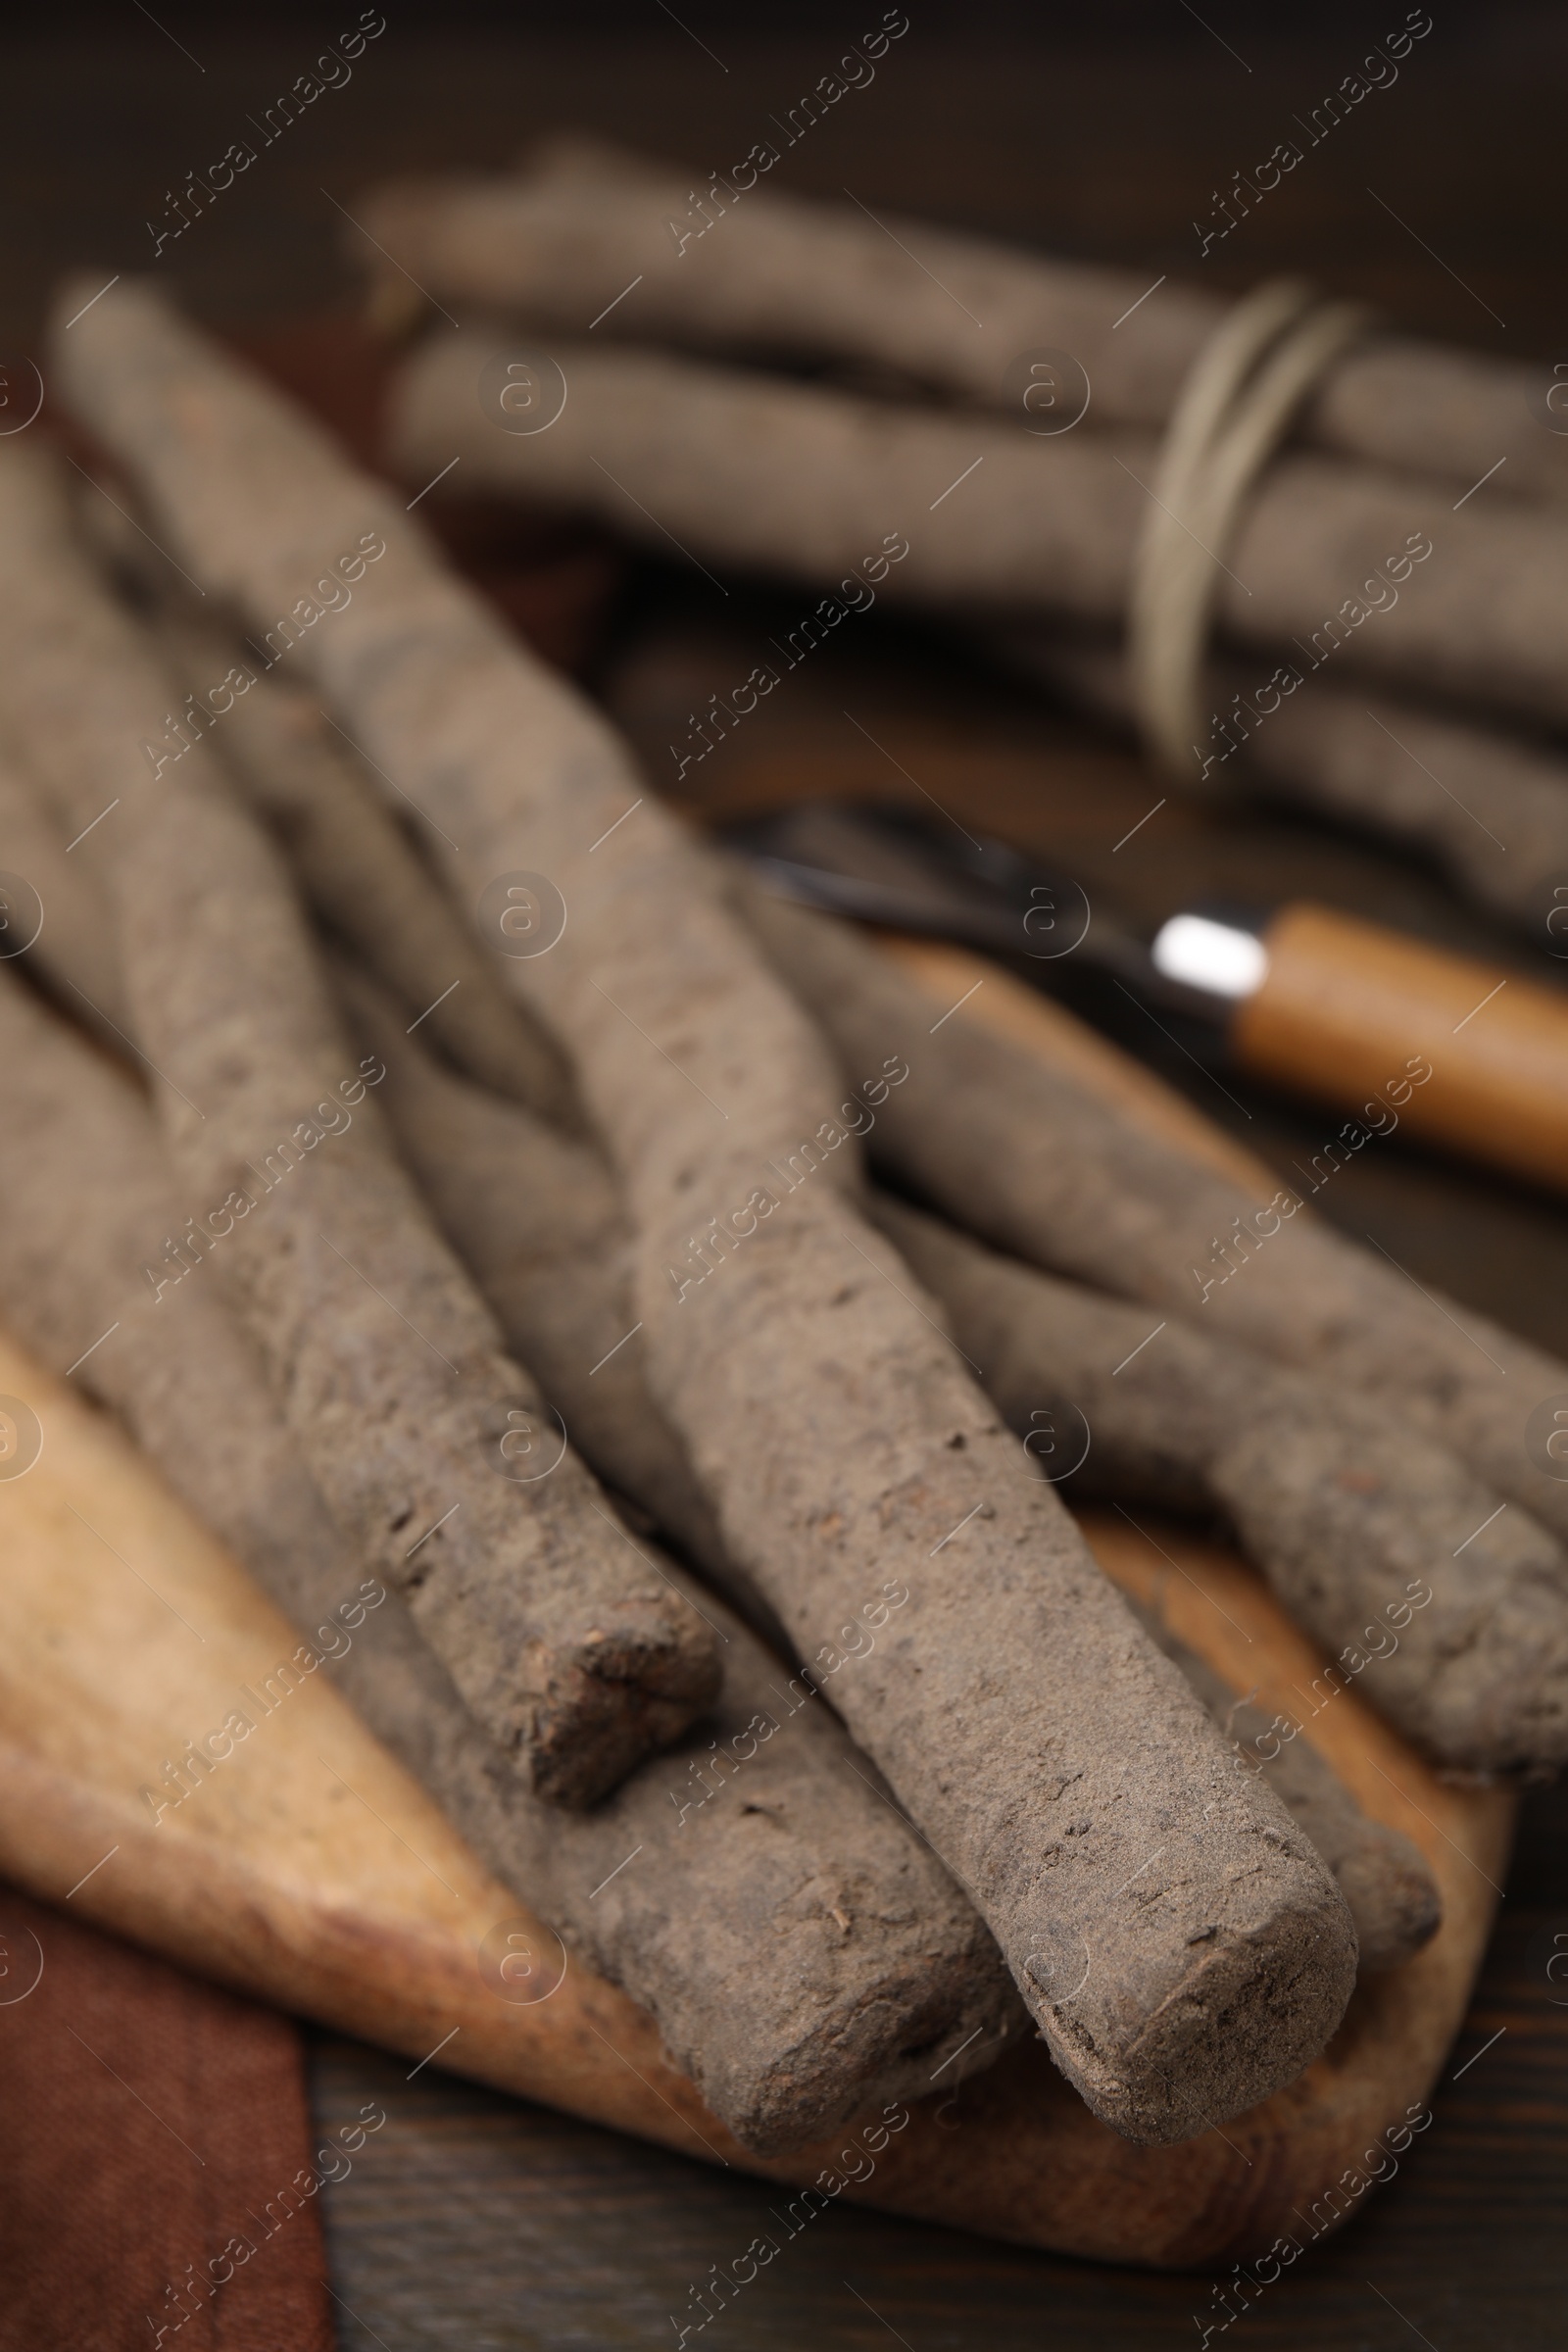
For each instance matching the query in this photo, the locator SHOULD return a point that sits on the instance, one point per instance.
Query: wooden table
(475, 2221)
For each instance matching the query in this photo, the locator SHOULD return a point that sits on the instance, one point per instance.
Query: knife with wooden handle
(1383, 1027)
(1467, 1054)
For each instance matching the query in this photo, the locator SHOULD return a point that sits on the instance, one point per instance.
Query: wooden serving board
(310, 1870)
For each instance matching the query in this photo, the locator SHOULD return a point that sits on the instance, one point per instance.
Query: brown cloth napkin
(159, 2180)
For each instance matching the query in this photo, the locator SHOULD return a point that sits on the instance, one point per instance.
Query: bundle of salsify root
(981, 435)
(457, 1232)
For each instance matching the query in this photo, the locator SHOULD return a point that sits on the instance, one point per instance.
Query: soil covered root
(1368, 761)
(536, 1219)
(431, 1449)
(1038, 1163)
(54, 917)
(853, 503)
(804, 1954)
(740, 263)
(360, 871)
(1448, 1613)
(1393, 1898)
(1175, 1937)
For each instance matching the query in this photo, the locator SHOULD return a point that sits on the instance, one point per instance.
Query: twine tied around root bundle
(1235, 408)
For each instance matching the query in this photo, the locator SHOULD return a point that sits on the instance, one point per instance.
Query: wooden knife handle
(1392, 1030)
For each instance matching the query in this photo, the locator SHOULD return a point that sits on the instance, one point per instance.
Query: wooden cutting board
(309, 1869)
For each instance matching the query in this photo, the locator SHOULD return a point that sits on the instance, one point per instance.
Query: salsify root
(588, 227)
(360, 871)
(761, 1824)
(1488, 809)
(536, 1219)
(431, 1449)
(50, 910)
(1393, 1896)
(1183, 1948)
(1351, 1515)
(860, 499)
(1358, 1520)
(1039, 1165)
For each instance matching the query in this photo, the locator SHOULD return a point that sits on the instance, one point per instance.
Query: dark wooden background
(475, 2221)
